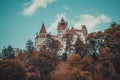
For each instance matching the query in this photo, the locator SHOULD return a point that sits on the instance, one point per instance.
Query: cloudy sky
(21, 19)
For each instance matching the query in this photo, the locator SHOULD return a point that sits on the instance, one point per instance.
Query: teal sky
(21, 19)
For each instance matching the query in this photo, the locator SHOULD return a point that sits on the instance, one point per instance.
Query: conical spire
(43, 30)
(62, 19)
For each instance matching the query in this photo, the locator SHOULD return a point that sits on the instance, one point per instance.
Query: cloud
(31, 9)
(65, 7)
(91, 21)
(53, 26)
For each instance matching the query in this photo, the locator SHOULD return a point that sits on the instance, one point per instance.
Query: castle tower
(62, 27)
(40, 38)
(84, 31)
(42, 33)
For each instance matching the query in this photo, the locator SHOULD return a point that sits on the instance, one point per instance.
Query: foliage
(74, 60)
(112, 41)
(43, 61)
(56, 45)
(29, 46)
(95, 42)
(98, 59)
(22, 55)
(68, 41)
(12, 70)
(64, 56)
(8, 52)
(113, 24)
(79, 46)
(88, 64)
(81, 75)
(81, 68)
(50, 41)
(34, 75)
(106, 54)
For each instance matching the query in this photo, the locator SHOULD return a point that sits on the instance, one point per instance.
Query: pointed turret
(43, 30)
(42, 33)
(40, 38)
(62, 20)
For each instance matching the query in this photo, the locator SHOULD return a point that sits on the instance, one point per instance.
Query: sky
(21, 19)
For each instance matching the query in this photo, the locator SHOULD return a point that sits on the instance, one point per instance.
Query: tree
(56, 45)
(80, 68)
(12, 70)
(4, 53)
(74, 60)
(50, 41)
(79, 46)
(8, 52)
(91, 44)
(81, 75)
(112, 41)
(21, 55)
(95, 42)
(11, 51)
(29, 46)
(87, 64)
(64, 56)
(113, 24)
(44, 62)
(68, 41)
(106, 54)
(0, 55)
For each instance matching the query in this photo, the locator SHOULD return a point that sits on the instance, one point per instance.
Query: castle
(62, 30)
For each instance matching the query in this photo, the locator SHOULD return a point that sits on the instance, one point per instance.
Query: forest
(97, 59)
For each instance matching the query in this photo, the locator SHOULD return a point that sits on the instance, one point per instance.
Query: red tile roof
(43, 30)
(72, 30)
(62, 24)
